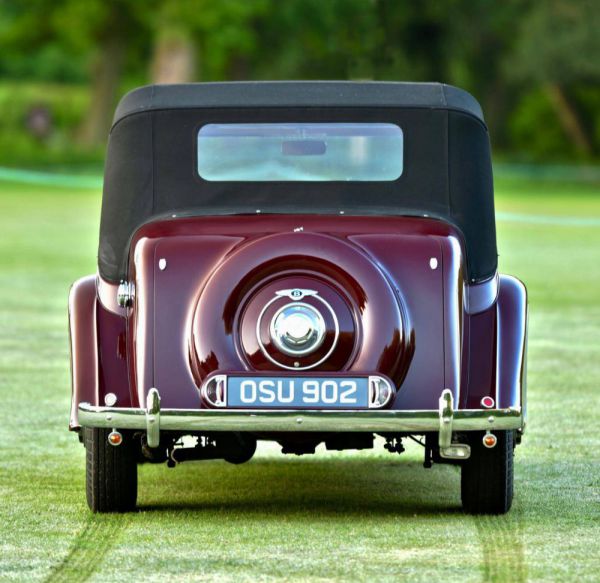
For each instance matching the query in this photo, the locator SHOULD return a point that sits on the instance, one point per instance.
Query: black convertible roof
(151, 164)
(297, 94)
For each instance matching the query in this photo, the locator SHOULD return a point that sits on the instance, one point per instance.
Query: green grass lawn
(366, 516)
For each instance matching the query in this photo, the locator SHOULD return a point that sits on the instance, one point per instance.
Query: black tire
(486, 483)
(111, 472)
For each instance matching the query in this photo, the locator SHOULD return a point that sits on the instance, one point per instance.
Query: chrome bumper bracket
(153, 418)
(449, 450)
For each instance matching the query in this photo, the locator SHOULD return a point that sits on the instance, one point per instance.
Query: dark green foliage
(535, 66)
(64, 105)
(534, 133)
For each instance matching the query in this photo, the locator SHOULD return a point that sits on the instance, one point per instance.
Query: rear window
(303, 152)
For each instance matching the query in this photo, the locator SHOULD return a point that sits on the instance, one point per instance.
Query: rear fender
(511, 344)
(83, 335)
(97, 327)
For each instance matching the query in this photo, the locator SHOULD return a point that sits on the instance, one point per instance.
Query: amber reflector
(489, 440)
(115, 438)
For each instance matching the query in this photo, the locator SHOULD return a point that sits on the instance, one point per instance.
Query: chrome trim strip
(417, 421)
(453, 302)
(479, 297)
(144, 317)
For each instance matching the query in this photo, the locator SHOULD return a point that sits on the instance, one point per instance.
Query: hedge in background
(39, 125)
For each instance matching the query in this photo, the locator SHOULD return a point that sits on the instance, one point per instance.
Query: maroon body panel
(372, 332)
(479, 358)
(84, 344)
(380, 267)
(98, 346)
(397, 286)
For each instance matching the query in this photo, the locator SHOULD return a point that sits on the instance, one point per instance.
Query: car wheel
(487, 476)
(111, 472)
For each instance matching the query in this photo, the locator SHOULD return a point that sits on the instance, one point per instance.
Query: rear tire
(111, 472)
(487, 476)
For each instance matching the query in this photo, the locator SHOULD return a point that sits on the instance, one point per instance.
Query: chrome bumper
(445, 420)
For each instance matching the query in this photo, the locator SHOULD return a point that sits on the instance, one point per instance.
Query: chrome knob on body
(125, 294)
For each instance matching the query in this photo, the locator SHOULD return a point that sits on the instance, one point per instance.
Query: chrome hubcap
(297, 329)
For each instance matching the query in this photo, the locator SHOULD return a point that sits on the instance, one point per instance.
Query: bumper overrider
(446, 420)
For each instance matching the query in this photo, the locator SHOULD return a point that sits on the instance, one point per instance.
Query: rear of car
(304, 263)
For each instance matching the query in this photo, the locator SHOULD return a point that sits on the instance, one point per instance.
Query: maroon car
(302, 262)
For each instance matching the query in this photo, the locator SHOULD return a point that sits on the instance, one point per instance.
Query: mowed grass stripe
(548, 220)
(89, 549)
(502, 541)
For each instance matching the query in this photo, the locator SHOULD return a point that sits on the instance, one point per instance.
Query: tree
(104, 30)
(95, 35)
(559, 47)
